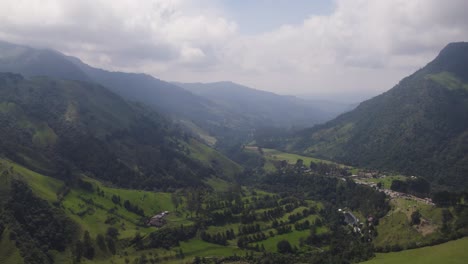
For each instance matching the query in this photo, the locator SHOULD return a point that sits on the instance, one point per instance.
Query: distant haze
(319, 48)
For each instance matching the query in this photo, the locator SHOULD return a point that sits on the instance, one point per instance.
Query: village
(363, 179)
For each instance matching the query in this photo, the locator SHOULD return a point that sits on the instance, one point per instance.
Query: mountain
(265, 108)
(227, 114)
(165, 97)
(33, 62)
(202, 117)
(65, 128)
(419, 127)
(162, 96)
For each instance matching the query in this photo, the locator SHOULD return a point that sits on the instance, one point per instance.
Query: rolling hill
(419, 127)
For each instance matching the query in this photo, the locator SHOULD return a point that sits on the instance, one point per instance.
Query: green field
(8, 252)
(453, 252)
(92, 216)
(291, 158)
(273, 155)
(395, 227)
(223, 166)
(386, 181)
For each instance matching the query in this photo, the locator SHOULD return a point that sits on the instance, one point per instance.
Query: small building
(350, 219)
(158, 220)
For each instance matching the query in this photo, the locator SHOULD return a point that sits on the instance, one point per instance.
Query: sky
(314, 47)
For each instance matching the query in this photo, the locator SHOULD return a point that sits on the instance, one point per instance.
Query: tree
(299, 163)
(415, 218)
(138, 241)
(175, 200)
(88, 249)
(112, 232)
(115, 199)
(100, 241)
(284, 247)
(111, 245)
(399, 186)
(78, 252)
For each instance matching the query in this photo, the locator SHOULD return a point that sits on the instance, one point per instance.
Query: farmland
(96, 207)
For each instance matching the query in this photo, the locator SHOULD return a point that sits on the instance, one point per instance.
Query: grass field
(273, 155)
(196, 247)
(223, 166)
(9, 254)
(290, 158)
(453, 252)
(96, 216)
(387, 181)
(395, 227)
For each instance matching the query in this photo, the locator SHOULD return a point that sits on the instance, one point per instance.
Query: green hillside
(64, 127)
(453, 252)
(92, 207)
(8, 251)
(234, 220)
(419, 127)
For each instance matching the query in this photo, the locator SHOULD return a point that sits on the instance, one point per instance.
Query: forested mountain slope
(418, 127)
(31, 62)
(61, 127)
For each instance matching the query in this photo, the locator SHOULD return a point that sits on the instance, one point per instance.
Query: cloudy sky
(285, 46)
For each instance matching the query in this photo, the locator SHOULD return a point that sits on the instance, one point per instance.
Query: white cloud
(362, 45)
(128, 32)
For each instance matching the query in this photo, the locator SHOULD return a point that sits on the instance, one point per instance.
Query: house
(158, 220)
(350, 219)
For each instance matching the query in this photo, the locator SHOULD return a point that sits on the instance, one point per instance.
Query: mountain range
(266, 108)
(220, 116)
(417, 127)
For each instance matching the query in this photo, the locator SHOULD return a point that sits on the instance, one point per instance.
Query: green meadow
(395, 227)
(273, 155)
(94, 211)
(453, 252)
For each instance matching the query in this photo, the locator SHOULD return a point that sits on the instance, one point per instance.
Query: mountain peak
(452, 58)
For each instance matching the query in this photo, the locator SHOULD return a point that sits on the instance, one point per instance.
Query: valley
(231, 221)
(99, 166)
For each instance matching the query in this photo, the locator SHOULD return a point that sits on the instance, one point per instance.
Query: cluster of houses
(394, 194)
(355, 223)
(360, 179)
(351, 220)
(158, 220)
